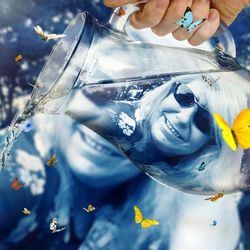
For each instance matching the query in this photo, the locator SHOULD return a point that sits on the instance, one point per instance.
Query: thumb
(229, 9)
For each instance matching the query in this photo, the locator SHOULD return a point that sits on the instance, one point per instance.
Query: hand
(162, 16)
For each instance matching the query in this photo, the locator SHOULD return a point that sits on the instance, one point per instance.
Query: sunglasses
(186, 98)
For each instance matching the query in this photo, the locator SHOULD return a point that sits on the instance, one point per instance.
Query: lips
(98, 146)
(172, 128)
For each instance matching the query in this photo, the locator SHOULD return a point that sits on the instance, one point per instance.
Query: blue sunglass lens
(185, 97)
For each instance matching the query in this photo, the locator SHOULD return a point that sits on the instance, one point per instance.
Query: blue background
(17, 18)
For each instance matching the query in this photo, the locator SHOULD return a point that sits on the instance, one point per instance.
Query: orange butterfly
(52, 161)
(15, 185)
(216, 197)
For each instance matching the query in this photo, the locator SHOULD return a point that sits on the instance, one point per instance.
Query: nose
(186, 115)
(185, 118)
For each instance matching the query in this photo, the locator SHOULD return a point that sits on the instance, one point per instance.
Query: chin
(95, 169)
(101, 175)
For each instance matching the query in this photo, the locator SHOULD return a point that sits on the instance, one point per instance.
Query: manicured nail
(212, 16)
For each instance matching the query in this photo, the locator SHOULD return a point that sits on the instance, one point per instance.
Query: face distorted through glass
(93, 160)
(181, 123)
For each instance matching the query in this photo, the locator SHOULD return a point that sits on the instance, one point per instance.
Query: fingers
(118, 3)
(229, 9)
(200, 10)
(174, 12)
(207, 29)
(150, 14)
(185, 19)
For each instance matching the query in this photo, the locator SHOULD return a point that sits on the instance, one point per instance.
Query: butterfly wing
(215, 198)
(39, 30)
(195, 24)
(53, 224)
(241, 128)
(51, 36)
(26, 211)
(220, 195)
(19, 186)
(19, 58)
(187, 19)
(59, 230)
(91, 208)
(52, 161)
(214, 223)
(60, 36)
(138, 215)
(202, 166)
(149, 223)
(85, 209)
(54, 36)
(14, 184)
(226, 131)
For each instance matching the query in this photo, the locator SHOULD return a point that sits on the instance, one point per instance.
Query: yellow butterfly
(46, 36)
(26, 211)
(18, 58)
(145, 223)
(90, 208)
(240, 132)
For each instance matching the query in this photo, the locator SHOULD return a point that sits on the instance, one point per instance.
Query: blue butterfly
(214, 223)
(26, 126)
(187, 21)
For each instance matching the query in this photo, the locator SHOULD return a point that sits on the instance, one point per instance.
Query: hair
(227, 96)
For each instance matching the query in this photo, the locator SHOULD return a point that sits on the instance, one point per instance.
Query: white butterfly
(53, 226)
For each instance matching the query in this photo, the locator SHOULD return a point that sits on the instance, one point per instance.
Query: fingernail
(212, 16)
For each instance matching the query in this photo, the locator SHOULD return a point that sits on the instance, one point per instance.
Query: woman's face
(173, 127)
(93, 160)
